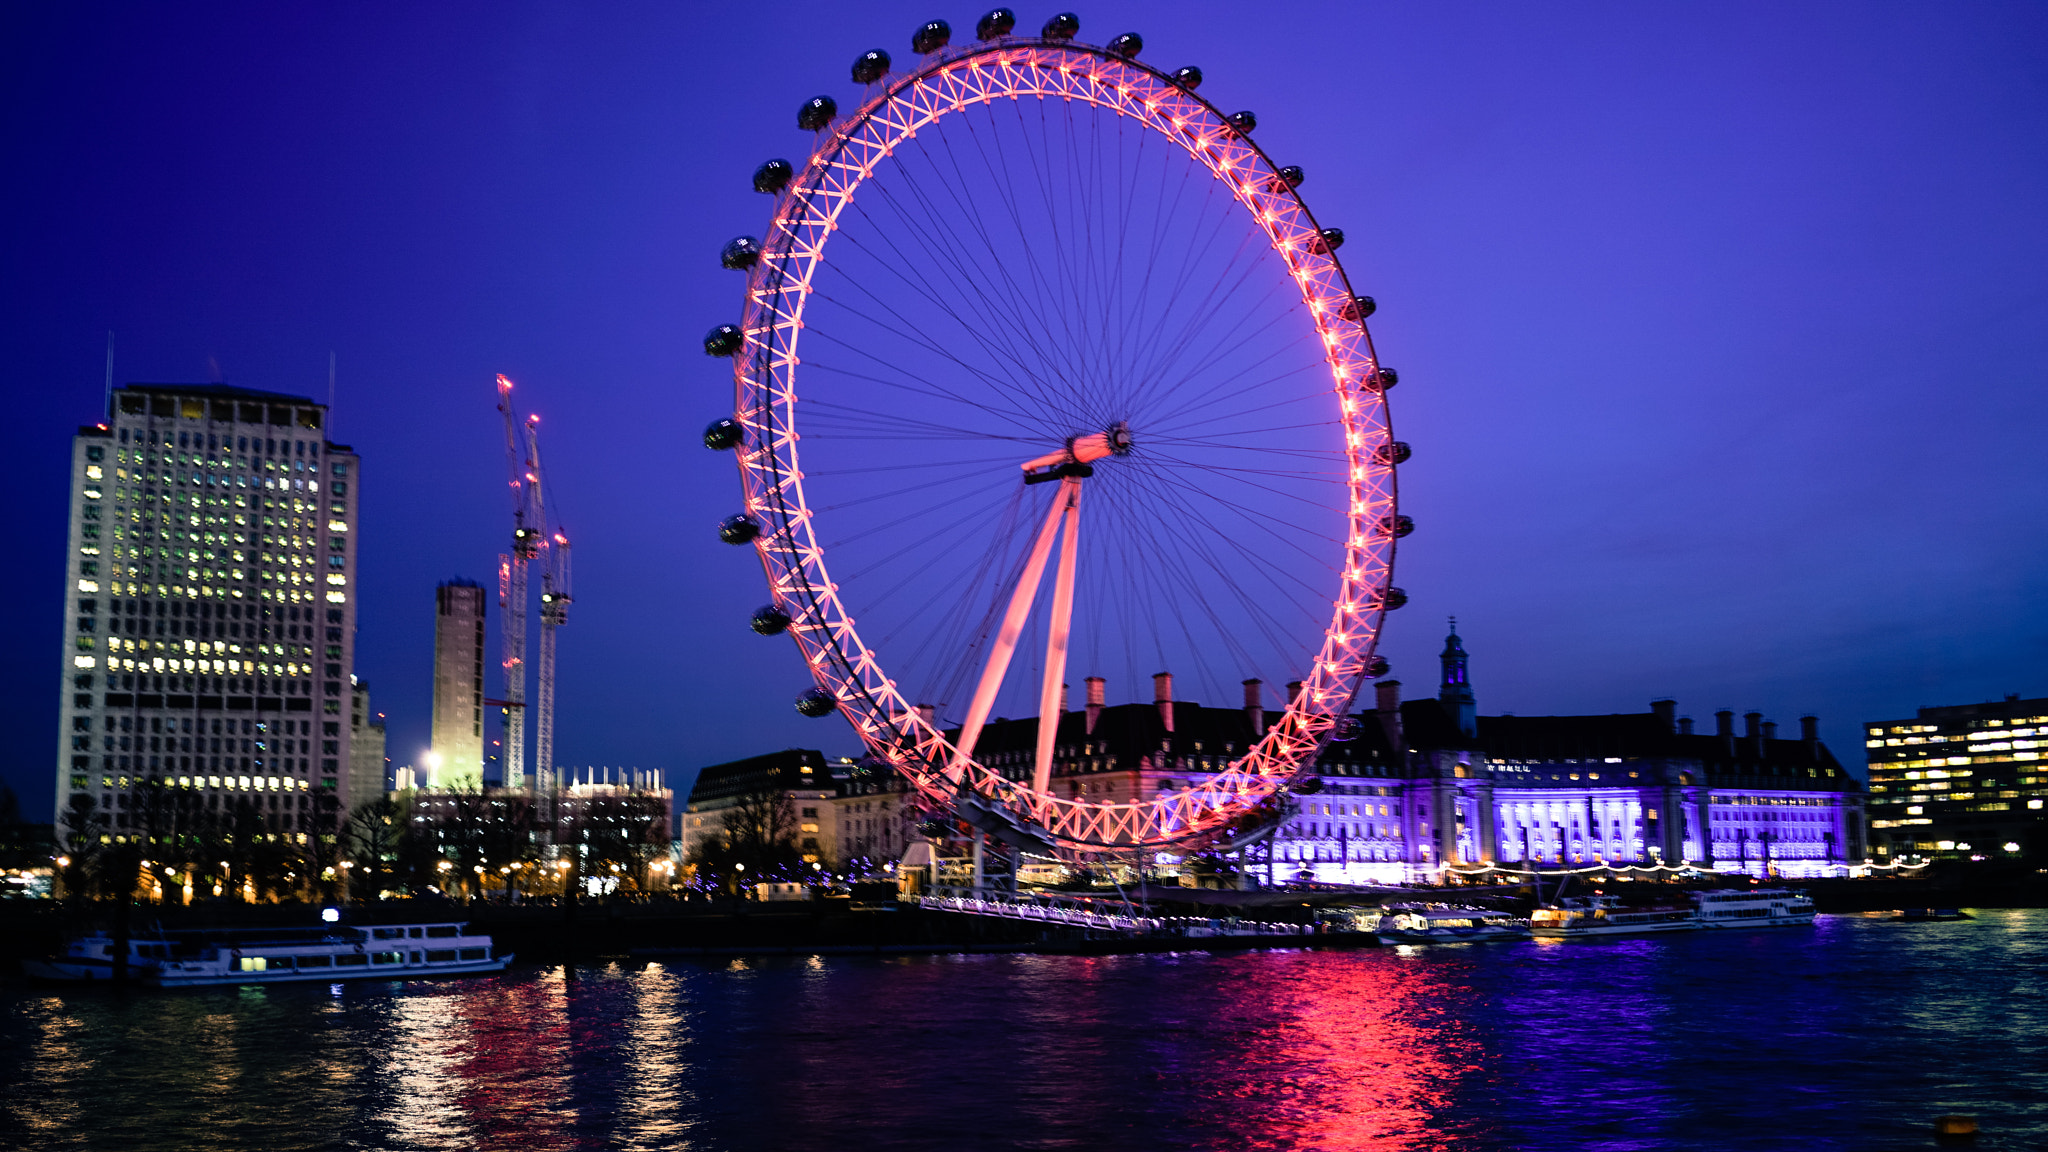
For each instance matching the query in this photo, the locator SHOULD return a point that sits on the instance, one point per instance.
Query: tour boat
(1577, 917)
(1753, 908)
(1447, 924)
(278, 956)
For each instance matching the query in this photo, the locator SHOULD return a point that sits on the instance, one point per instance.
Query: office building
(209, 596)
(457, 759)
(367, 771)
(798, 776)
(1962, 781)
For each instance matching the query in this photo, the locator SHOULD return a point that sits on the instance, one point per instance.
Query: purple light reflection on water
(1851, 1035)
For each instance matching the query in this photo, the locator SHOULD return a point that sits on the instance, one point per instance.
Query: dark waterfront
(1854, 1034)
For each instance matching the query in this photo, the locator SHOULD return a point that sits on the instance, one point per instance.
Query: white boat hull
(1577, 932)
(173, 978)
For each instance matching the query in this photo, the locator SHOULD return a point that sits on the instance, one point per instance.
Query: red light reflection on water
(1343, 1051)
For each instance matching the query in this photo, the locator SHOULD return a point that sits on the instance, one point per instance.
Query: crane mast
(555, 597)
(527, 537)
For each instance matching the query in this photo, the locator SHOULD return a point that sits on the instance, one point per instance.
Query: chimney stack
(1255, 708)
(1388, 708)
(1095, 695)
(1724, 727)
(1752, 724)
(1809, 731)
(1063, 699)
(1770, 730)
(1667, 713)
(1162, 695)
(1685, 725)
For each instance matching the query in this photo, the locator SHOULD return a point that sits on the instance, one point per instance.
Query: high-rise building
(366, 766)
(209, 596)
(457, 760)
(1960, 781)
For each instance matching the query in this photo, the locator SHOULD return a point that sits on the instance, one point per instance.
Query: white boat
(1447, 924)
(1579, 917)
(278, 956)
(1753, 908)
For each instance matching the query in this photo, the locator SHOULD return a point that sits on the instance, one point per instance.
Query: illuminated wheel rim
(768, 369)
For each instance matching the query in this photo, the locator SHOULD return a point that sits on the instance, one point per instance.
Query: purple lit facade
(1465, 791)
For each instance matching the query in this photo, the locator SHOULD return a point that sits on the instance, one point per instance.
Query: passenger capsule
(871, 66)
(1064, 26)
(1309, 785)
(1245, 122)
(1128, 45)
(816, 113)
(1377, 667)
(1396, 526)
(1327, 241)
(740, 253)
(740, 529)
(932, 37)
(724, 340)
(1358, 308)
(720, 435)
(998, 22)
(773, 176)
(815, 702)
(769, 621)
(1392, 452)
(1384, 379)
(933, 829)
(1189, 77)
(1288, 177)
(1393, 599)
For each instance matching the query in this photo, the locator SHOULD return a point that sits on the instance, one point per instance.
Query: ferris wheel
(1045, 368)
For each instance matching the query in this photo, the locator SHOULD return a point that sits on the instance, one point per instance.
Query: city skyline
(1648, 462)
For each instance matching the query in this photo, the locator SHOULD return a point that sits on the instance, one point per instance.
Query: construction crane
(555, 597)
(528, 537)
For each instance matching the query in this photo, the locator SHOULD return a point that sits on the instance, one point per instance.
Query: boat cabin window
(441, 930)
(388, 933)
(387, 957)
(476, 954)
(315, 962)
(357, 960)
(440, 955)
(415, 933)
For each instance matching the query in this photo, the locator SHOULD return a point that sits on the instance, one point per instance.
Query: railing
(1100, 914)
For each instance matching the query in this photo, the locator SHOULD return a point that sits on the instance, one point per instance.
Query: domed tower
(1455, 693)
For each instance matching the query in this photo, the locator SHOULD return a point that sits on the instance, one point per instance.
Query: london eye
(1045, 369)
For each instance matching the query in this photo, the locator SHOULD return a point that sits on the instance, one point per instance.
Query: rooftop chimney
(1667, 712)
(1685, 725)
(1724, 723)
(1162, 695)
(1770, 729)
(1752, 724)
(1388, 708)
(1095, 684)
(1809, 731)
(1255, 708)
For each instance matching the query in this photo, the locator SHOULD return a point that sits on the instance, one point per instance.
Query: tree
(83, 826)
(371, 845)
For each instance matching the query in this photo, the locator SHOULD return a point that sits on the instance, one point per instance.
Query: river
(1853, 1034)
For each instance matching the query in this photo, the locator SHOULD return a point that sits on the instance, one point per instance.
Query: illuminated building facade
(209, 624)
(1960, 782)
(458, 727)
(798, 774)
(366, 764)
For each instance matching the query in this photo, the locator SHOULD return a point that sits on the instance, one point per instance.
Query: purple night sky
(1722, 328)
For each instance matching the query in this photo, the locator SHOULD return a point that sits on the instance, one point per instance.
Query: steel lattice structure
(768, 368)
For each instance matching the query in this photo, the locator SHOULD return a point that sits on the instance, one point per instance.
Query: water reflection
(1845, 1036)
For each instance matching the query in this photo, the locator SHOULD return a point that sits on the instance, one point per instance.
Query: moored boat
(1580, 917)
(278, 956)
(1753, 908)
(1447, 924)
